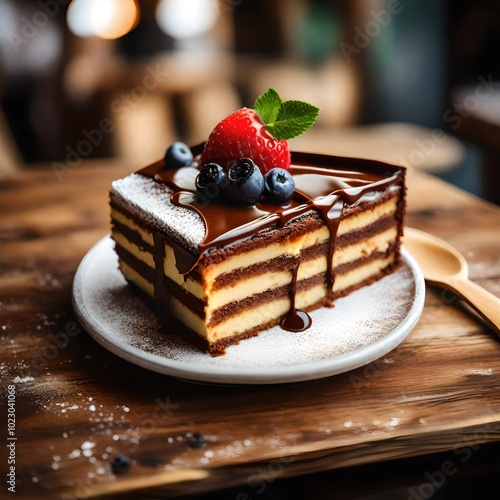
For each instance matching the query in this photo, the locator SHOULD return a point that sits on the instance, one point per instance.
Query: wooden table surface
(78, 406)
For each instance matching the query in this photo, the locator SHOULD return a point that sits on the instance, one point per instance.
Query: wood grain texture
(78, 406)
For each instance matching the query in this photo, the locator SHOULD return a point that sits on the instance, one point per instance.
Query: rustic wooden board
(78, 406)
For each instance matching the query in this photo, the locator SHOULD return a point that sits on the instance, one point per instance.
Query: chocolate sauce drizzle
(159, 289)
(296, 320)
(322, 183)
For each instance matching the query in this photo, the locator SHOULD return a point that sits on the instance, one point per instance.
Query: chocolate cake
(228, 272)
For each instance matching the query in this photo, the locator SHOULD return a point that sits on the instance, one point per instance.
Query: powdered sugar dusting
(356, 322)
(152, 200)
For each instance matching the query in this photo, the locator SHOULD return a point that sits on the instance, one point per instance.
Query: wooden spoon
(445, 267)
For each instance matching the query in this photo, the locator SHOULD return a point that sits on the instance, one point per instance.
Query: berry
(246, 183)
(260, 134)
(278, 186)
(243, 134)
(211, 180)
(197, 441)
(120, 464)
(178, 155)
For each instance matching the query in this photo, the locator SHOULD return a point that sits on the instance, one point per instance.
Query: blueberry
(246, 183)
(197, 441)
(211, 180)
(178, 155)
(120, 464)
(279, 186)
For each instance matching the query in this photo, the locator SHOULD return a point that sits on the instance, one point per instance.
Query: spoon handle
(483, 302)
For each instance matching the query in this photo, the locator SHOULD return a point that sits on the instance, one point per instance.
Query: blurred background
(412, 82)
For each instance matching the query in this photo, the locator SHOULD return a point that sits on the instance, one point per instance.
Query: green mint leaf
(294, 118)
(284, 119)
(268, 105)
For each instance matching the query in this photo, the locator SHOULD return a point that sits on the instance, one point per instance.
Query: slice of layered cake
(238, 235)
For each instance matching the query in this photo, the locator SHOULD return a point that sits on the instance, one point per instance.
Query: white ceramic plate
(361, 328)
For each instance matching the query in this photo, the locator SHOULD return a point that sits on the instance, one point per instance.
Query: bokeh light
(109, 19)
(182, 19)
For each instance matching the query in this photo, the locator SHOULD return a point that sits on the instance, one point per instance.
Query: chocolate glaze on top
(322, 183)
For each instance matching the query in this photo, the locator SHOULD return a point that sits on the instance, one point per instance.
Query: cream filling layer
(274, 309)
(254, 285)
(293, 247)
(368, 217)
(132, 275)
(132, 248)
(362, 273)
(287, 247)
(129, 222)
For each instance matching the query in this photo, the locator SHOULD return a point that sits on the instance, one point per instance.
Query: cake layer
(253, 283)
(269, 308)
(246, 304)
(215, 272)
(272, 305)
(313, 260)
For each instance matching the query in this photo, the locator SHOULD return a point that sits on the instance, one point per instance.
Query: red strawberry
(243, 135)
(259, 134)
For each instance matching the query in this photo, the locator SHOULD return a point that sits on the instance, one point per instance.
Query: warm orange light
(108, 19)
